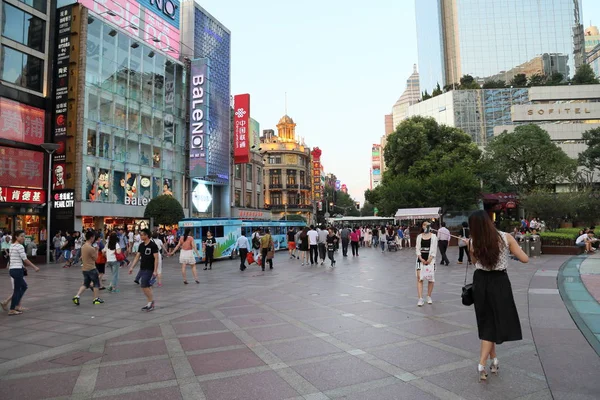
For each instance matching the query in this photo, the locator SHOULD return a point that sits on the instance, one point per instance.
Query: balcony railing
(305, 187)
(292, 186)
(275, 186)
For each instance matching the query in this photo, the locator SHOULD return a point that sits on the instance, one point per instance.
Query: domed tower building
(287, 176)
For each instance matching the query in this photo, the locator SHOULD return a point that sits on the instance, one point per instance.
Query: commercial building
(593, 59)
(565, 112)
(26, 56)
(206, 43)
(459, 37)
(288, 172)
(410, 96)
(247, 164)
(475, 111)
(592, 38)
(120, 112)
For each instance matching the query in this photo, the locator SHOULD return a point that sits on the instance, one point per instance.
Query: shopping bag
(250, 258)
(427, 272)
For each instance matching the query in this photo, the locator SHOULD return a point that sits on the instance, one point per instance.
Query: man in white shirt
(443, 235)
(242, 245)
(313, 239)
(585, 240)
(322, 243)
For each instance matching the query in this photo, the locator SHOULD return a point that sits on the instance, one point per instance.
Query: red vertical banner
(316, 173)
(241, 128)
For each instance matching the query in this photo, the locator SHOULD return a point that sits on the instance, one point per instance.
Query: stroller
(392, 245)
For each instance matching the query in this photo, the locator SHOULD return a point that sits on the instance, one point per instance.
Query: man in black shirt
(148, 253)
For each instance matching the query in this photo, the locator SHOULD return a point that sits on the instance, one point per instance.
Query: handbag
(461, 243)
(467, 289)
(101, 259)
(120, 256)
(271, 252)
(24, 271)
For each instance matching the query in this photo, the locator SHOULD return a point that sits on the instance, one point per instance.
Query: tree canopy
(590, 157)
(584, 75)
(367, 210)
(427, 165)
(165, 210)
(528, 159)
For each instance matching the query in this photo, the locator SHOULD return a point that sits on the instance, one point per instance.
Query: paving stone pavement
(353, 332)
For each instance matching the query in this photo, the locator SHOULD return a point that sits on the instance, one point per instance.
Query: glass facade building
(134, 124)
(503, 35)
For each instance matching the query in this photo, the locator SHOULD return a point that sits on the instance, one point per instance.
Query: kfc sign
(18, 195)
(65, 199)
(241, 130)
(21, 123)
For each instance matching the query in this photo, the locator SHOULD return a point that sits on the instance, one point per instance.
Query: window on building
(302, 161)
(238, 198)
(39, 5)
(291, 177)
(275, 179)
(23, 27)
(104, 149)
(258, 203)
(274, 159)
(276, 199)
(248, 172)
(91, 142)
(302, 178)
(248, 200)
(292, 198)
(22, 69)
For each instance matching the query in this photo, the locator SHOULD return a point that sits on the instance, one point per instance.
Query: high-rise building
(459, 37)
(207, 44)
(592, 38)
(26, 54)
(410, 96)
(288, 172)
(375, 166)
(389, 129)
(593, 59)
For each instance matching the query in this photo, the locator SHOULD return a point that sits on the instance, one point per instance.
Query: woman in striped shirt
(18, 258)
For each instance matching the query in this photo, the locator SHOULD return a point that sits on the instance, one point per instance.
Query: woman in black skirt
(495, 309)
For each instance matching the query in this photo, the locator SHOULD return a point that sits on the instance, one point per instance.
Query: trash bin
(535, 245)
(526, 246)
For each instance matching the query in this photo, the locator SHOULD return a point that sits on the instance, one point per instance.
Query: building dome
(286, 119)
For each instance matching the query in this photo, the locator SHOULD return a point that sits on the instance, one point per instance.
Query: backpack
(256, 242)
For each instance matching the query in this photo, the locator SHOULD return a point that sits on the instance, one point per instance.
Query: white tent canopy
(418, 213)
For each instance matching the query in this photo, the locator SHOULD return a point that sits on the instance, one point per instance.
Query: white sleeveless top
(502, 263)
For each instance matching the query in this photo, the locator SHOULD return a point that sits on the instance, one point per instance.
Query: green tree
(437, 91)
(468, 82)
(529, 159)
(538, 80)
(165, 210)
(555, 79)
(590, 157)
(519, 80)
(427, 165)
(367, 210)
(552, 208)
(584, 75)
(492, 84)
(425, 95)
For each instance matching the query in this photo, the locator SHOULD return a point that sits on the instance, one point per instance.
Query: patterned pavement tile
(134, 374)
(302, 348)
(256, 320)
(211, 341)
(258, 386)
(285, 331)
(368, 337)
(171, 393)
(391, 392)
(45, 386)
(133, 351)
(416, 357)
(184, 328)
(229, 360)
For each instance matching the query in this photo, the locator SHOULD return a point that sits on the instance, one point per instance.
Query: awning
(418, 213)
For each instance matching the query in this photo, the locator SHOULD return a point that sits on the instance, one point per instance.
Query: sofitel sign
(556, 112)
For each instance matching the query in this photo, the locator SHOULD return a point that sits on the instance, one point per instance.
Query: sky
(343, 65)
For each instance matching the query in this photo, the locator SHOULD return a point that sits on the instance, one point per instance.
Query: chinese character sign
(20, 122)
(21, 168)
(241, 129)
(316, 173)
(20, 195)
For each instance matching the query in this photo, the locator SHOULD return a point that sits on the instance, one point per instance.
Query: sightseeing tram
(226, 231)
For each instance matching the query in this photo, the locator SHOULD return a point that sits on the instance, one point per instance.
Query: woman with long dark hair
(495, 309)
(111, 250)
(18, 259)
(187, 256)
(304, 248)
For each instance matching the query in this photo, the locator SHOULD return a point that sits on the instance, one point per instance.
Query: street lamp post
(50, 149)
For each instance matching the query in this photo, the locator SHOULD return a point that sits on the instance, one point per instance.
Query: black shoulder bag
(467, 290)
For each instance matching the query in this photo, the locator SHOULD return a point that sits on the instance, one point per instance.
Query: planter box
(566, 224)
(562, 250)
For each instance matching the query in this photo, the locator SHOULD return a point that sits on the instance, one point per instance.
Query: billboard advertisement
(21, 123)
(21, 168)
(254, 135)
(338, 185)
(241, 128)
(198, 117)
(155, 22)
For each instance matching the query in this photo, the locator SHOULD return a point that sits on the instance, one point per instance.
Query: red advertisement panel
(21, 168)
(19, 195)
(20, 122)
(241, 129)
